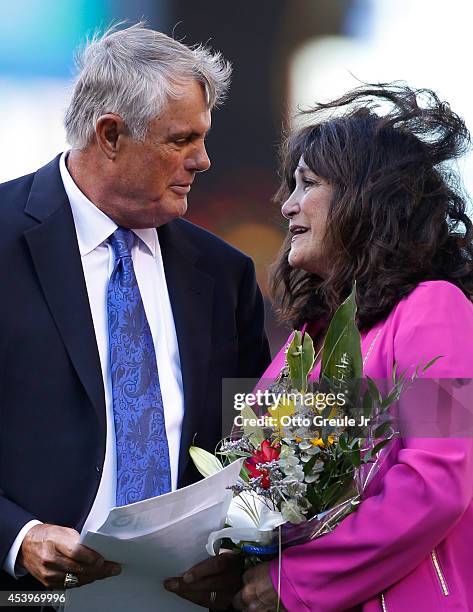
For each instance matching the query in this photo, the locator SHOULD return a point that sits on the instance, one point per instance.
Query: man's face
(151, 179)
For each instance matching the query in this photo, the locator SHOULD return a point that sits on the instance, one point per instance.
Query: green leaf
(367, 405)
(343, 443)
(393, 396)
(341, 357)
(375, 450)
(374, 391)
(329, 492)
(310, 464)
(205, 462)
(254, 432)
(398, 379)
(393, 373)
(300, 358)
(314, 498)
(382, 429)
(431, 363)
(346, 490)
(356, 458)
(244, 474)
(355, 443)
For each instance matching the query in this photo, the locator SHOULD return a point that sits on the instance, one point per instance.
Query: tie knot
(122, 240)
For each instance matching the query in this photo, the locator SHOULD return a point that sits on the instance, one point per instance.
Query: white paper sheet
(153, 540)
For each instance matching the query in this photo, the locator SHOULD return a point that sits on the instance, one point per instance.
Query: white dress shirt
(93, 229)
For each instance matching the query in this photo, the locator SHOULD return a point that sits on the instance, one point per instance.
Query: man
(114, 337)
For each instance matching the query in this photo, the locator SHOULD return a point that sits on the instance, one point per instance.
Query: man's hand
(48, 552)
(258, 594)
(220, 575)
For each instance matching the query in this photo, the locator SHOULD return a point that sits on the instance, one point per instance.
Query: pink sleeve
(421, 497)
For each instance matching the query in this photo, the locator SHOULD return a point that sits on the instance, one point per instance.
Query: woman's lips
(297, 231)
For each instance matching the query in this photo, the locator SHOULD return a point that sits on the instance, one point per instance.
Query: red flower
(266, 454)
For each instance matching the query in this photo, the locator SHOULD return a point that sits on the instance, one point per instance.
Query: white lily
(251, 510)
(205, 462)
(251, 520)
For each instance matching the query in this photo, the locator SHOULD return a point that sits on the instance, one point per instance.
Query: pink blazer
(409, 546)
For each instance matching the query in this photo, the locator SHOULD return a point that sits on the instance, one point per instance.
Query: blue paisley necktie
(143, 468)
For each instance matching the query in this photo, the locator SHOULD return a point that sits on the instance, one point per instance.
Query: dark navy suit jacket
(52, 407)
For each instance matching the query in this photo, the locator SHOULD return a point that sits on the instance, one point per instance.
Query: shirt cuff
(10, 565)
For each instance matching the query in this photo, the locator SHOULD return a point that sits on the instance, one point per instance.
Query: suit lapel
(56, 258)
(191, 295)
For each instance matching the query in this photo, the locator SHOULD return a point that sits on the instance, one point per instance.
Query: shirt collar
(149, 236)
(93, 227)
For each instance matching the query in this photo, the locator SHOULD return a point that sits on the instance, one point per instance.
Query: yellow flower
(320, 443)
(285, 408)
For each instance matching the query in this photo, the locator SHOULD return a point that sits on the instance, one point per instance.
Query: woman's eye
(307, 183)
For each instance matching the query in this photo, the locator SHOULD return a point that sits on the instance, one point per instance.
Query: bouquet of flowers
(307, 460)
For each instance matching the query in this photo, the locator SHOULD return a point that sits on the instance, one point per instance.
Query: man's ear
(109, 129)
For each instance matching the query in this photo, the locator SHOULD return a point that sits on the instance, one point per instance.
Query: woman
(369, 198)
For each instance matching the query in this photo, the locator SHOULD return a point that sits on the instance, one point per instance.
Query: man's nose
(199, 161)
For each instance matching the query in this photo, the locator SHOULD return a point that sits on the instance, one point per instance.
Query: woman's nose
(290, 207)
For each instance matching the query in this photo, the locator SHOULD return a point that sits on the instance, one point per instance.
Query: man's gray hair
(134, 72)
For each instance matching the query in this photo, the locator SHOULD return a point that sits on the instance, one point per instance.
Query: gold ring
(70, 581)
(213, 597)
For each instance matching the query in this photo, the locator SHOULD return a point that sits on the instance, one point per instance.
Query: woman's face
(307, 210)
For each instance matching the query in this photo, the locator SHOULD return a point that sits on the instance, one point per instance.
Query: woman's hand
(258, 594)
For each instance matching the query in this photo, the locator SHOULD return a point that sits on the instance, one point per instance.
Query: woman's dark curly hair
(397, 215)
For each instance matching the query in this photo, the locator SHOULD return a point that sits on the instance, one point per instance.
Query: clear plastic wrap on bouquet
(324, 522)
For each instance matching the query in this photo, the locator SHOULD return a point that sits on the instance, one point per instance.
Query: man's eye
(180, 141)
